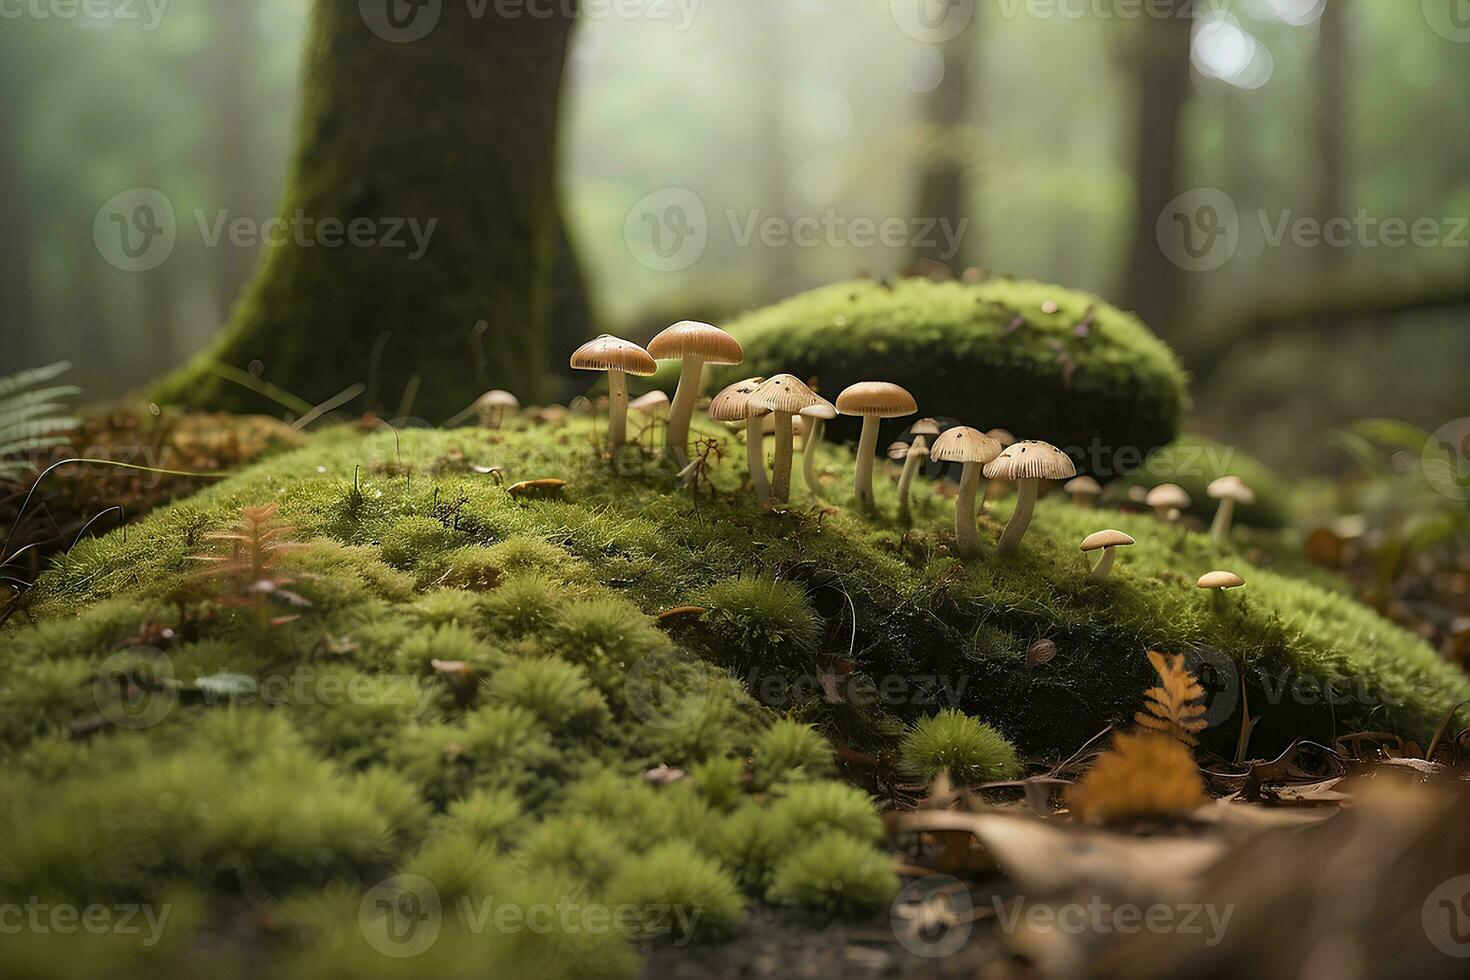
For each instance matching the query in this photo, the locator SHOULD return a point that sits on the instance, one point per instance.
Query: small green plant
(256, 543)
(952, 742)
(814, 809)
(789, 751)
(488, 817)
(557, 693)
(415, 540)
(33, 419)
(762, 623)
(836, 874)
(525, 605)
(683, 894)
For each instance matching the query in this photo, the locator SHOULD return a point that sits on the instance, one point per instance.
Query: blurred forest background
(1061, 130)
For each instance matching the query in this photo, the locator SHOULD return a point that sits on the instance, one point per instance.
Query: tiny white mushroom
(873, 400)
(1083, 490)
(696, 344)
(817, 417)
(784, 396)
(1229, 490)
(1108, 542)
(619, 358)
(1027, 463)
(733, 405)
(492, 406)
(1167, 500)
(973, 448)
(1220, 582)
(914, 458)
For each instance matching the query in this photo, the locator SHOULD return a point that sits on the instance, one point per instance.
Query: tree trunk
(18, 243)
(943, 189)
(440, 150)
(1153, 283)
(1331, 110)
(572, 317)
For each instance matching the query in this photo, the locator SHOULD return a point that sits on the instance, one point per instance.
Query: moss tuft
(789, 751)
(679, 893)
(954, 743)
(835, 874)
(761, 623)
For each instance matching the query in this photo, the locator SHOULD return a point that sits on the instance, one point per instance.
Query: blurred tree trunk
(572, 317)
(439, 146)
(18, 242)
(1161, 59)
(1332, 105)
(943, 187)
(234, 72)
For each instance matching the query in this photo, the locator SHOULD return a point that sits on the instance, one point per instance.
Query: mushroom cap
(918, 448)
(784, 393)
(823, 410)
(926, 427)
(1098, 540)
(609, 353)
(878, 399)
(898, 450)
(733, 404)
(693, 337)
(1231, 488)
(963, 444)
(650, 402)
(1031, 460)
(1084, 485)
(1167, 495)
(1220, 580)
(497, 399)
(1002, 436)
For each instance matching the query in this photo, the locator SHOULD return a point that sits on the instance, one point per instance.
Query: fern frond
(32, 418)
(1173, 708)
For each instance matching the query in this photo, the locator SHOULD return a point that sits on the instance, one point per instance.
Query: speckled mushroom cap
(1085, 486)
(926, 427)
(733, 404)
(823, 410)
(1098, 540)
(963, 444)
(650, 402)
(1220, 580)
(1231, 488)
(784, 393)
(693, 337)
(1031, 460)
(879, 399)
(1167, 495)
(497, 399)
(609, 353)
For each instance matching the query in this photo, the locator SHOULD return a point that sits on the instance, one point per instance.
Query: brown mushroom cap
(1031, 460)
(497, 399)
(609, 353)
(1220, 580)
(1231, 488)
(926, 427)
(733, 404)
(784, 393)
(693, 337)
(650, 402)
(963, 444)
(878, 399)
(1085, 486)
(1106, 539)
(823, 410)
(1002, 436)
(1167, 495)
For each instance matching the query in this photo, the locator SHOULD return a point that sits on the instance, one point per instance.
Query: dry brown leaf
(1143, 775)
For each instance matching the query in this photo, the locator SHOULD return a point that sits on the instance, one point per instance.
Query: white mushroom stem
(755, 458)
(1105, 563)
(1220, 526)
(617, 410)
(867, 449)
(905, 482)
(681, 411)
(781, 472)
(1026, 489)
(816, 428)
(964, 512)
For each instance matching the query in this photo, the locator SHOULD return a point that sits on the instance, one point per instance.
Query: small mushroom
(973, 448)
(655, 405)
(1108, 542)
(817, 417)
(873, 400)
(619, 358)
(1002, 436)
(928, 428)
(785, 396)
(1220, 582)
(1229, 490)
(492, 406)
(1167, 500)
(733, 405)
(1027, 463)
(696, 344)
(1083, 490)
(917, 453)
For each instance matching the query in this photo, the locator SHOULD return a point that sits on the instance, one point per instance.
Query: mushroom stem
(905, 482)
(1105, 563)
(964, 512)
(781, 472)
(1026, 489)
(755, 458)
(617, 410)
(1220, 526)
(867, 449)
(816, 428)
(681, 411)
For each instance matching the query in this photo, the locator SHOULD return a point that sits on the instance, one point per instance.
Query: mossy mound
(1194, 462)
(498, 713)
(1087, 377)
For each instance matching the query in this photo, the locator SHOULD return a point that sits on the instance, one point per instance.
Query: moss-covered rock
(1087, 376)
(1194, 462)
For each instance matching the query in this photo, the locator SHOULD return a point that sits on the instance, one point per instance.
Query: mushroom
(619, 358)
(1108, 542)
(655, 405)
(998, 488)
(817, 417)
(1229, 490)
(974, 448)
(785, 396)
(493, 405)
(1083, 490)
(896, 452)
(1027, 463)
(1002, 436)
(928, 428)
(1220, 582)
(733, 405)
(918, 451)
(697, 344)
(873, 400)
(1167, 500)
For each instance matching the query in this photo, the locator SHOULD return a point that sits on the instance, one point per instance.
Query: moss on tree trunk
(454, 131)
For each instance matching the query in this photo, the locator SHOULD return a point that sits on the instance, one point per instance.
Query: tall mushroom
(1229, 490)
(974, 448)
(816, 417)
(696, 344)
(492, 406)
(619, 358)
(1027, 463)
(1108, 542)
(914, 458)
(785, 396)
(733, 405)
(1167, 500)
(873, 400)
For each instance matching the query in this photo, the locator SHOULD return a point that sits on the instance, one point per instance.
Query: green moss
(415, 541)
(555, 692)
(679, 893)
(836, 874)
(1194, 462)
(954, 743)
(789, 751)
(761, 623)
